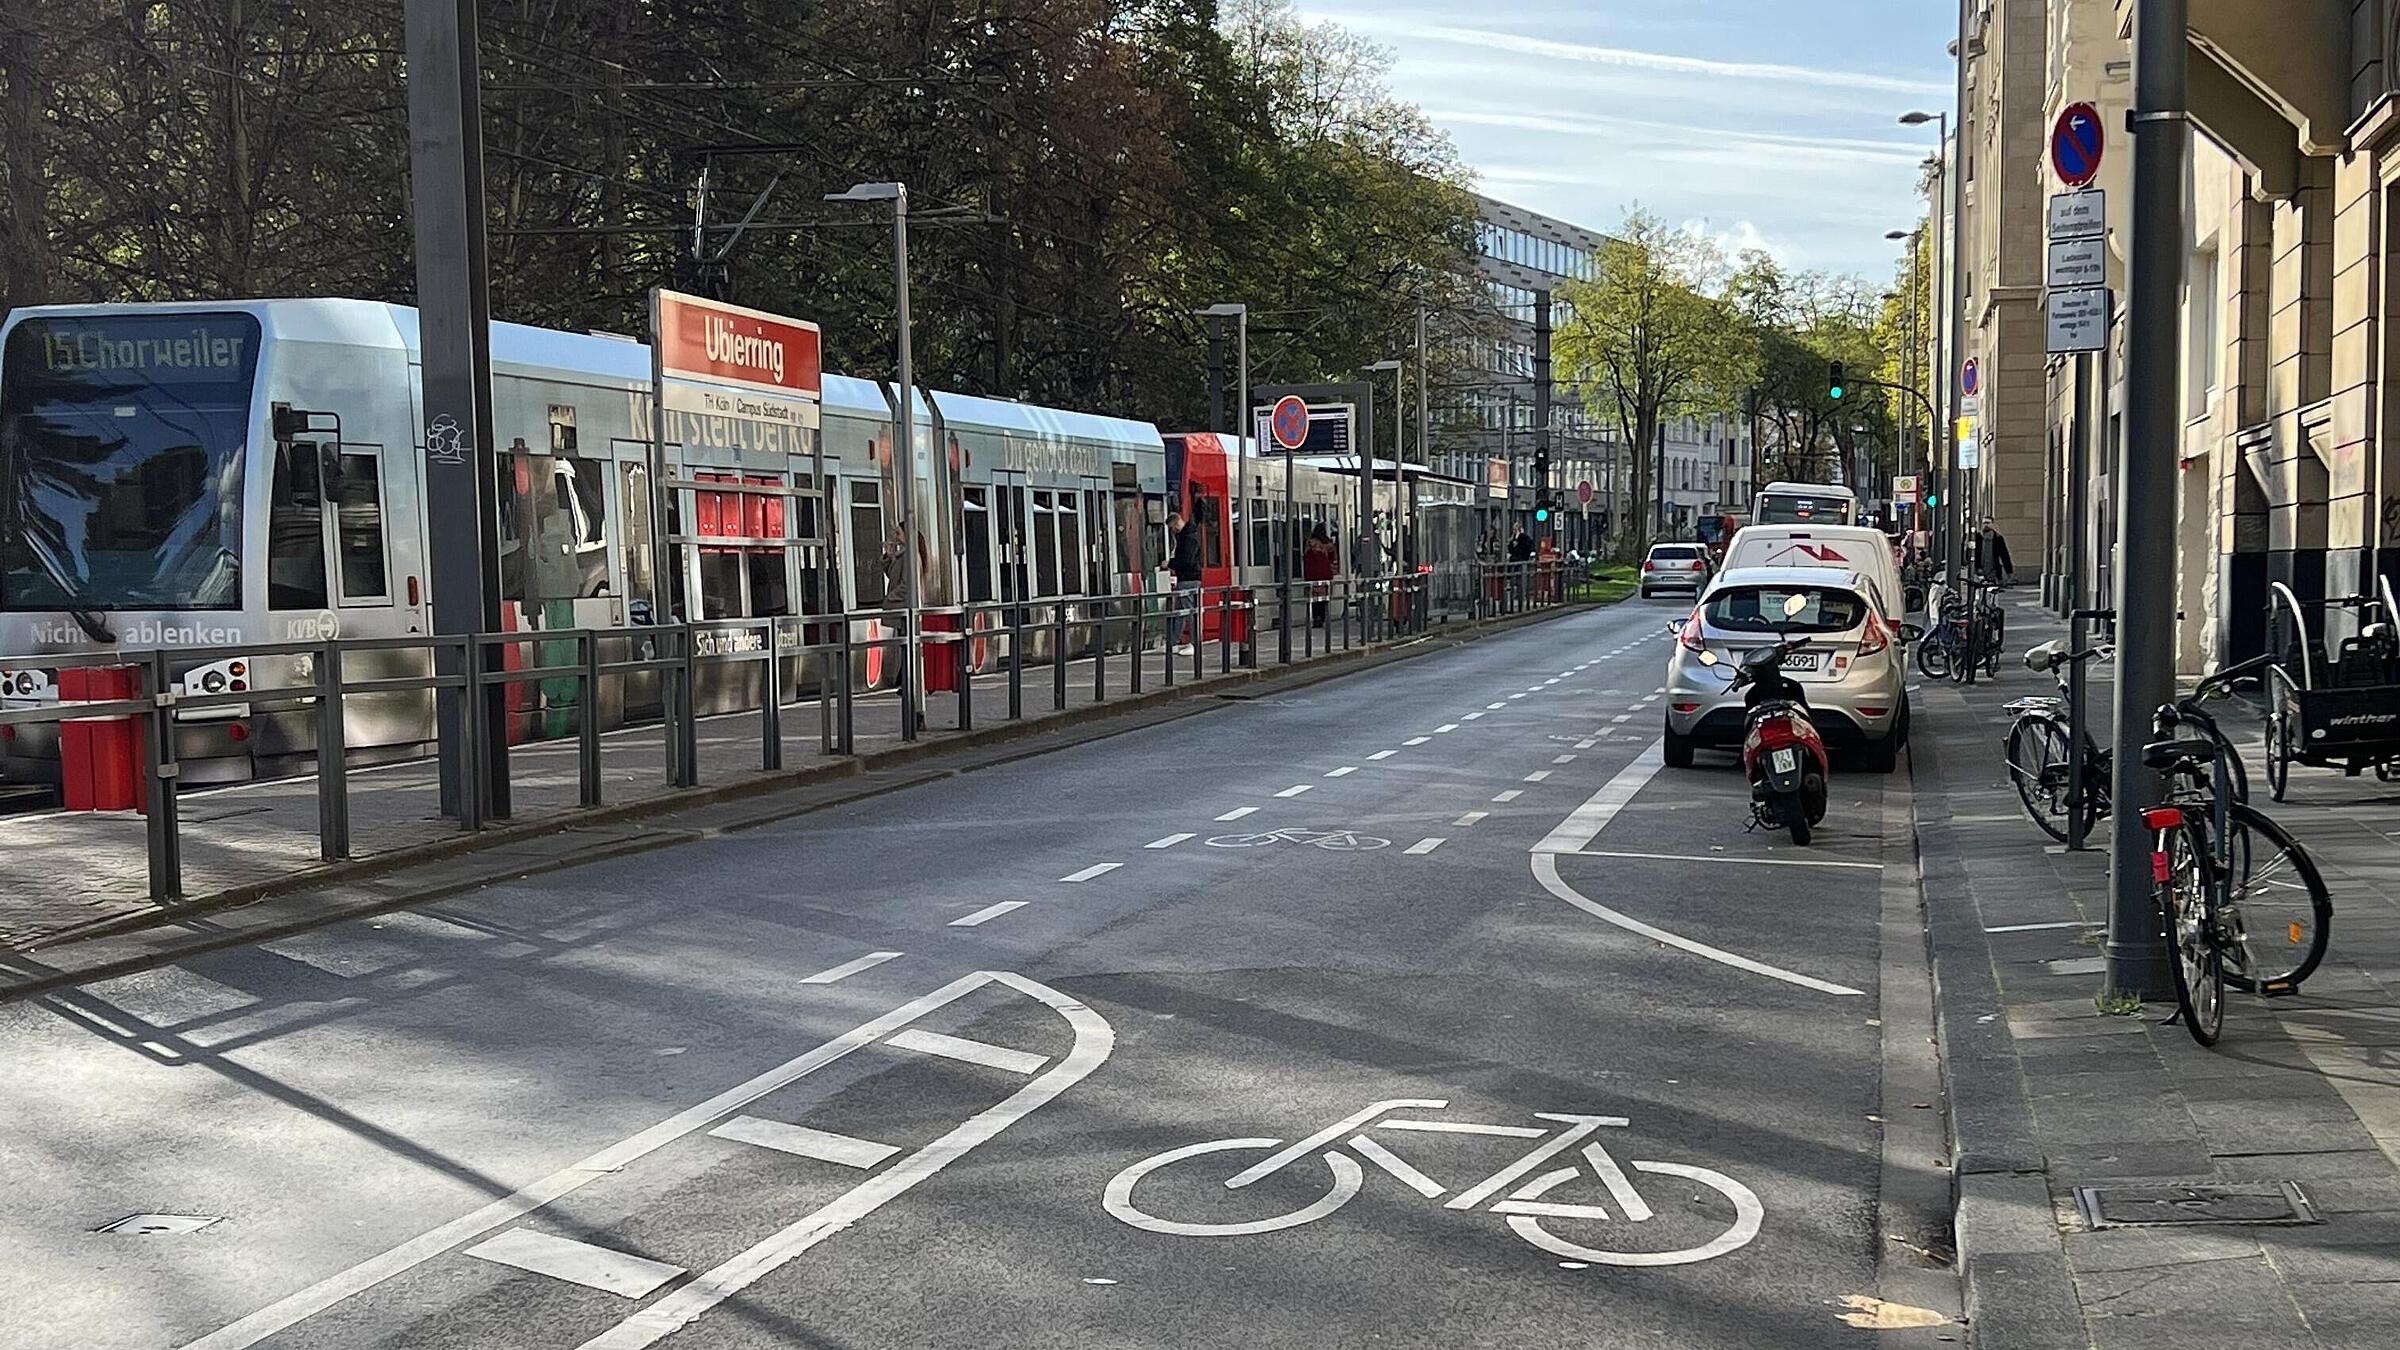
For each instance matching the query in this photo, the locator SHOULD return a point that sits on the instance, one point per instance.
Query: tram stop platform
(2118, 1185)
(75, 901)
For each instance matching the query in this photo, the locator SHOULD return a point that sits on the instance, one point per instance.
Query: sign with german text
(720, 361)
(2078, 320)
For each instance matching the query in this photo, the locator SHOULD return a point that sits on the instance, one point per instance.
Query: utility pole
(1216, 372)
(1956, 181)
(1424, 443)
(445, 124)
(1541, 396)
(2146, 485)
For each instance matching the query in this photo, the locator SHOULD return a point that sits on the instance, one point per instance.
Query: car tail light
(1690, 636)
(1699, 564)
(1649, 565)
(1865, 711)
(1877, 638)
(1686, 707)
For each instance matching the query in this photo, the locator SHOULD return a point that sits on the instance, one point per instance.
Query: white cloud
(1692, 137)
(1739, 238)
(1665, 61)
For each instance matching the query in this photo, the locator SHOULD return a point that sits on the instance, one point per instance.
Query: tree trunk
(1644, 451)
(25, 157)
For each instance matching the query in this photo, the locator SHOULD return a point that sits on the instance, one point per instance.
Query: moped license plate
(1786, 761)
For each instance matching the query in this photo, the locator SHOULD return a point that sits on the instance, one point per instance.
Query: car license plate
(1800, 661)
(1787, 761)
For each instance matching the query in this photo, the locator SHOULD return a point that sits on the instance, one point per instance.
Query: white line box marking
(575, 1262)
(1238, 812)
(1422, 847)
(966, 1051)
(991, 912)
(1095, 870)
(802, 1142)
(1295, 790)
(1169, 842)
(849, 968)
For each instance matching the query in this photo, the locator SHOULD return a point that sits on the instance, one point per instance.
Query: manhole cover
(160, 1225)
(2148, 1206)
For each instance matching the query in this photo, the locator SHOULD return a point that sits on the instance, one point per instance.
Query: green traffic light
(1541, 515)
(1837, 391)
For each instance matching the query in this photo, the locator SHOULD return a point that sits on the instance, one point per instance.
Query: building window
(2200, 334)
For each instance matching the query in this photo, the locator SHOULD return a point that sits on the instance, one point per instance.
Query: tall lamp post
(1399, 417)
(1240, 313)
(904, 449)
(1954, 320)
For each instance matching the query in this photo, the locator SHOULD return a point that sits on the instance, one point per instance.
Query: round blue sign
(1290, 422)
(2077, 144)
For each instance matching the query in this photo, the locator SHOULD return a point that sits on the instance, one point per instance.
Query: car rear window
(1759, 609)
(1684, 552)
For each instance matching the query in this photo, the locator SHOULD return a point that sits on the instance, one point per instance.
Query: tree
(1648, 338)
(1797, 324)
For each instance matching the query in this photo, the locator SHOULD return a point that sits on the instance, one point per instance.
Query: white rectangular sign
(2078, 215)
(2077, 262)
(2078, 320)
(1970, 451)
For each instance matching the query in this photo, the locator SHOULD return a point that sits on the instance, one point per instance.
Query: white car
(1853, 670)
(1674, 567)
(1846, 548)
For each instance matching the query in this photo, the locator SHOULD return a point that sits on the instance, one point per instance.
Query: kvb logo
(1822, 553)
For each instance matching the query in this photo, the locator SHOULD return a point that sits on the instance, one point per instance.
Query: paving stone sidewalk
(65, 875)
(2048, 1095)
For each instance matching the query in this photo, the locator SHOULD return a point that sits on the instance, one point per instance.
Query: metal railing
(470, 676)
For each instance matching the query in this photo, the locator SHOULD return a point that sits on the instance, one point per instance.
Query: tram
(221, 474)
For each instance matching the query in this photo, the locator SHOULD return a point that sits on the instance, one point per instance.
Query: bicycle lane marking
(1094, 1039)
(1585, 823)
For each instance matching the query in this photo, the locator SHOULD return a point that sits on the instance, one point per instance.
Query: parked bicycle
(2036, 746)
(2240, 901)
(1954, 645)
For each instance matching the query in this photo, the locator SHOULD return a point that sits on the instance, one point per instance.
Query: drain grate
(2272, 1202)
(160, 1225)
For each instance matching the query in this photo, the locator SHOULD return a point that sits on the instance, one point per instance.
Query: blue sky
(1768, 122)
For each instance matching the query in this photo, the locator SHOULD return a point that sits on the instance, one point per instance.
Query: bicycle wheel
(1995, 635)
(2185, 899)
(2037, 764)
(1118, 1199)
(1933, 657)
(2279, 914)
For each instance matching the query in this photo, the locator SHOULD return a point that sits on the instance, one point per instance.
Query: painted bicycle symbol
(1576, 1198)
(1335, 841)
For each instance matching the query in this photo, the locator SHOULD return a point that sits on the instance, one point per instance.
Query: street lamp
(1399, 393)
(904, 450)
(1241, 429)
(1946, 354)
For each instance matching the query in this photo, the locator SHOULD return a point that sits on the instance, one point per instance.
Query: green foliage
(1083, 174)
(1797, 324)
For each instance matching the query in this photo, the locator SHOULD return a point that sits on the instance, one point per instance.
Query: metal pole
(905, 446)
(2146, 485)
(1216, 372)
(1954, 188)
(1295, 541)
(454, 318)
(1416, 512)
(1241, 445)
(2078, 471)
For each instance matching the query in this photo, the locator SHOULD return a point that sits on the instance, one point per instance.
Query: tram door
(1010, 509)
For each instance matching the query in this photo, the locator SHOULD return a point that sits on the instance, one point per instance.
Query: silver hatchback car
(1854, 668)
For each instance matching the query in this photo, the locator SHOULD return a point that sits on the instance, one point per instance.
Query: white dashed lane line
(1416, 740)
(1470, 817)
(849, 968)
(1422, 847)
(1343, 772)
(1238, 812)
(1509, 796)
(1445, 728)
(1169, 842)
(1472, 716)
(1493, 707)
(990, 912)
(1622, 717)
(1096, 869)
(1538, 776)
(1383, 754)
(1564, 759)
(1295, 790)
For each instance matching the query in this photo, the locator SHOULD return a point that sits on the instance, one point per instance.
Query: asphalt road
(1577, 1061)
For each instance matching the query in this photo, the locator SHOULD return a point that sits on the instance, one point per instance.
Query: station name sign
(723, 362)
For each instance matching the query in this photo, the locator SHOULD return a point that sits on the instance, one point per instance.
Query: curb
(836, 784)
(2012, 1262)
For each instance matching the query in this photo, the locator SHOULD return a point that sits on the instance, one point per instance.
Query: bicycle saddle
(2165, 755)
(2046, 657)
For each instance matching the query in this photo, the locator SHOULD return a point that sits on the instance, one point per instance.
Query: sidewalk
(2047, 1095)
(71, 877)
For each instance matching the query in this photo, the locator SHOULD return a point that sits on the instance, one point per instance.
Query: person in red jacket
(1316, 568)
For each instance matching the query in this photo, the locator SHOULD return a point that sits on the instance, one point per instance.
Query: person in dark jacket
(1521, 548)
(1317, 567)
(1183, 560)
(1999, 568)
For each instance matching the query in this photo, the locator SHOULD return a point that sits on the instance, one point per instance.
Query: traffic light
(1835, 385)
(1541, 511)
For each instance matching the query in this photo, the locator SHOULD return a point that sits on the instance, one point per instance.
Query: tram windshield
(121, 443)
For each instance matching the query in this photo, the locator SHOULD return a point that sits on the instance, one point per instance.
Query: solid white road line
(1343, 772)
(966, 1051)
(1545, 871)
(1585, 822)
(990, 912)
(1722, 858)
(1094, 1038)
(1422, 847)
(1092, 1046)
(1509, 796)
(1564, 759)
(1538, 776)
(575, 1262)
(849, 968)
(1169, 842)
(1383, 754)
(1295, 790)
(1416, 740)
(1238, 812)
(802, 1142)
(1470, 817)
(2039, 927)
(1096, 869)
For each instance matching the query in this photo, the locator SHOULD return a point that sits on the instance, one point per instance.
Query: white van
(1849, 548)
(1804, 504)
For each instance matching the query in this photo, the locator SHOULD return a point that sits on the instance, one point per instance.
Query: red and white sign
(704, 340)
(1289, 422)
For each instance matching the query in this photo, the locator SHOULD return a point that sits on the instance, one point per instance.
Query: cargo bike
(2338, 708)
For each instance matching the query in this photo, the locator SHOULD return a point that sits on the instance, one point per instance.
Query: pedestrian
(1183, 561)
(2003, 568)
(1522, 548)
(1316, 567)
